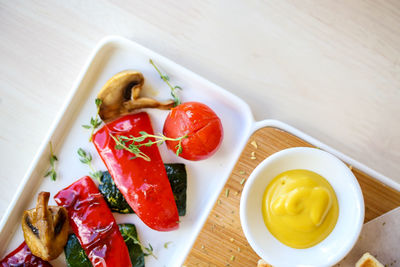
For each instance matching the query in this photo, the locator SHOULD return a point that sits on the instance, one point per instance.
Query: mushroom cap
(45, 228)
(120, 96)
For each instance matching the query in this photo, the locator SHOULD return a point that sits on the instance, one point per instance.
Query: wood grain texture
(221, 242)
(329, 68)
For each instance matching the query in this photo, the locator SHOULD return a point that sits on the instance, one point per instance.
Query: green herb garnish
(96, 121)
(121, 142)
(165, 78)
(166, 244)
(148, 251)
(86, 158)
(53, 158)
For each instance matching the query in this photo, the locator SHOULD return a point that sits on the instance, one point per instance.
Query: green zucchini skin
(114, 198)
(177, 177)
(129, 233)
(76, 256)
(74, 253)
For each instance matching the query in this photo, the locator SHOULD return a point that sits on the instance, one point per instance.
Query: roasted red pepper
(144, 184)
(93, 223)
(22, 256)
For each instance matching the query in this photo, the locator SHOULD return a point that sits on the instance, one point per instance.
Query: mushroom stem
(146, 102)
(44, 220)
(42, 205)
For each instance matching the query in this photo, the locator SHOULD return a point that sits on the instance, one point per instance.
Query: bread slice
(367, 260)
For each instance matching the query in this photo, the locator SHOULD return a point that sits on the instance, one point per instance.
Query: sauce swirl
(300, 208)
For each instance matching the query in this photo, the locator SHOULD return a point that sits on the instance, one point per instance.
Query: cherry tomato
(202, 127)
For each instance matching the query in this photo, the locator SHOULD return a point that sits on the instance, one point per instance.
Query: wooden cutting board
(221, 241)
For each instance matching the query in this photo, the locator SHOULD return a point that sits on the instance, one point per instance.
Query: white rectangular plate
(205, 178)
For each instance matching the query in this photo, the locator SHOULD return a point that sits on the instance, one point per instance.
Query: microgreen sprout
(53, 158)
(86, 158)
(96, 121)
(165, 78)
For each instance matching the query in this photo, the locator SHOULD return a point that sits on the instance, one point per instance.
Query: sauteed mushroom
(45, 228)
(120, 95)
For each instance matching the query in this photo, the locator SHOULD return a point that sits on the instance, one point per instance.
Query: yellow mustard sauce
(300, 208)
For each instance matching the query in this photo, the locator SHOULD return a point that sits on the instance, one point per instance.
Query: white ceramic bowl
(351, 209)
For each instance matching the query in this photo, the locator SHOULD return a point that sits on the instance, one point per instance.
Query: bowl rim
(350, 240)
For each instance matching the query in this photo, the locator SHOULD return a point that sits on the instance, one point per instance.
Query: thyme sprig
(120, 143)
(165, 78)
(147, 251)
(86, 158)
(53, 158)
(96, 121)
(133, 144)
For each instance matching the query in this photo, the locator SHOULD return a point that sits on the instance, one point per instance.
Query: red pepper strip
(93, 223)
(23, 256)
(144, 184)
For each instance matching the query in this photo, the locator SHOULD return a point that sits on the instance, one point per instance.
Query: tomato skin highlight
(144, 184)
(201, 125)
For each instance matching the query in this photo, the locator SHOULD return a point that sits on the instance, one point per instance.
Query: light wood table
(329, 68)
